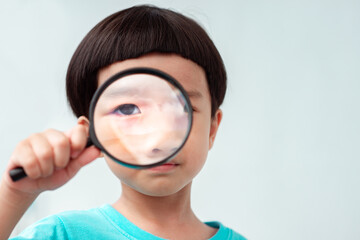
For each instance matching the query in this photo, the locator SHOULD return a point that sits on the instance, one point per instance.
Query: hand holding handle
(18, 173)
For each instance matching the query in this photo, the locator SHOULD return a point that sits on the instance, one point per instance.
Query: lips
(165, 167)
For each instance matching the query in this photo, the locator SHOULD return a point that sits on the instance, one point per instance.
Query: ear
(82, 120)
(214, 125)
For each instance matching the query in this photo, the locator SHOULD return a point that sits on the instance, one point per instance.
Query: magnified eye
(127, 109)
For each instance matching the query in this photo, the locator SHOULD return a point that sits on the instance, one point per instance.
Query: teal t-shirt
(101, 223)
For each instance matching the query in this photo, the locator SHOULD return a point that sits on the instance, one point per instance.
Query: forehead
(190, 75)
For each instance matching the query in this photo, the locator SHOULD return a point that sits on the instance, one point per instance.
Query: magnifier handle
(18, 173)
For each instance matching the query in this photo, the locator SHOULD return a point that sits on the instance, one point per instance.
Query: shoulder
(78, 224)
(48, 228)
(224, 232)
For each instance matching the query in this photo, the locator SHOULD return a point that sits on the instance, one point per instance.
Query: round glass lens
(141, 119)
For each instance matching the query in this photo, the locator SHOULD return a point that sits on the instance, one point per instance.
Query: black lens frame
(138, 70)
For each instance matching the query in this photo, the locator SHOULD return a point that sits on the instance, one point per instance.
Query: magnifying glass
(140, 118)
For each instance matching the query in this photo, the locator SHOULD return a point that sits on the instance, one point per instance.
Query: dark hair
(134, 32)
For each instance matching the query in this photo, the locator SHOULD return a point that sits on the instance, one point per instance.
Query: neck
(172, 209)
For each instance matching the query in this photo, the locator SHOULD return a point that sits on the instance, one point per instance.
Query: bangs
(143, 31)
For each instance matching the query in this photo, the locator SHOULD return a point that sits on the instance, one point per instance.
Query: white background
(286, 162)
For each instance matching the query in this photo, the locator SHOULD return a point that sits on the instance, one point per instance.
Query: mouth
(165, 167)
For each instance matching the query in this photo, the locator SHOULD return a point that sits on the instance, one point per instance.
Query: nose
(166, 138)
(162, 144)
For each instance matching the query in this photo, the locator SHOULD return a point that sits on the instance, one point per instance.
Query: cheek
(197, 146)
(200, 131)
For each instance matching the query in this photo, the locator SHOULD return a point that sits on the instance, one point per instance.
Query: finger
(43, 151)
(87, 156)
(25, 157)
(61, 147)
(78, 139)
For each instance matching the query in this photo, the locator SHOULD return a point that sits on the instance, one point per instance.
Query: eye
(127, 109)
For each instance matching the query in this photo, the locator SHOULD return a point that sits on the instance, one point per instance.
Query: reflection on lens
(141, 119)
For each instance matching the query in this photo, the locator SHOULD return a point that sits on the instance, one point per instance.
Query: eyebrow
(194, 94)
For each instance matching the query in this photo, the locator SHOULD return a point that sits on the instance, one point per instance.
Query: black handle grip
(17, 173)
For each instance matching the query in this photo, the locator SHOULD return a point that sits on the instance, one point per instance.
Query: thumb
(86, 157)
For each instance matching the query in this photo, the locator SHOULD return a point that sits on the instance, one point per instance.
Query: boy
(154, 203)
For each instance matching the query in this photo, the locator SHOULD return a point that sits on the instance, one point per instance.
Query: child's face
(169, 179)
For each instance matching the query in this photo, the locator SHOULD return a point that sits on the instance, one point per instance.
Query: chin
(161, 190)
